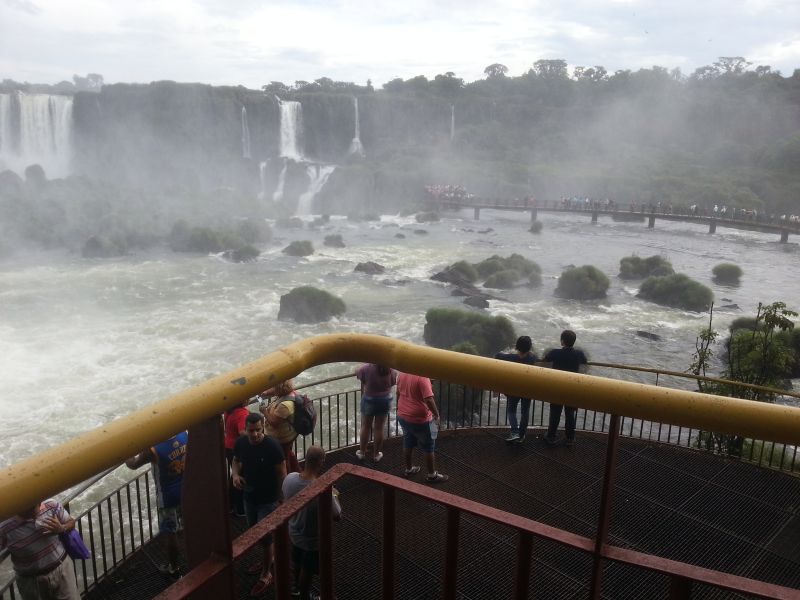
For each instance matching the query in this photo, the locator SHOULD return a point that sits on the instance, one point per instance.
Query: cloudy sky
(251, 43)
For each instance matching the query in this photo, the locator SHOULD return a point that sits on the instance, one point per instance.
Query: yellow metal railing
(43, 475)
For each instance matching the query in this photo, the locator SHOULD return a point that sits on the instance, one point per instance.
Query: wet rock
(648, 336)
(420, 232)
(308, 304)
(299, 248)
(477, 302)
(334, 241)
(731, 306)
(370, 268)
(399, 236)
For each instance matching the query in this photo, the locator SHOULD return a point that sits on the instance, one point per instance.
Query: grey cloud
(23, 6)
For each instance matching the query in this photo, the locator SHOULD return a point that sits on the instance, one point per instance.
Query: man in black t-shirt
(570, 359)
(524, 354)
(258, 470)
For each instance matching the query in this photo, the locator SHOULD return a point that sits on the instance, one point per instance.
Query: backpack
(305, 414)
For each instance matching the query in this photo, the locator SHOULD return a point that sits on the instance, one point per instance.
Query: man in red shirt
(419, 418)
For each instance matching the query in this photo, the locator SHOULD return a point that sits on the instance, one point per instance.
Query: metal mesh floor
(673, 502)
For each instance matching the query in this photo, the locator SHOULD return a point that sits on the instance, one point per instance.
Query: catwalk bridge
(782, 227)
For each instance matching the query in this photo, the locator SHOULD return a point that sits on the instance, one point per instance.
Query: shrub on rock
(446, 327)
(334, 241)
(370, 268)
(582, 283)
(502, 280)
(465, 270)
(299, 248)
(245, 253)
(254, 231)
(727, 274)
(308, 304)
(678, 291)
(635, 267)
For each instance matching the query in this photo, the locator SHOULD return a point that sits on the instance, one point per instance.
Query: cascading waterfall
(355, 145)
(262, 178)
(319, 175)
(43, 135)
(278, 195)
(452, 121)
(245, 135)
(291, 126)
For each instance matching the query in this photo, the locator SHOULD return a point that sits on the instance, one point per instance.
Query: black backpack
(305, 414)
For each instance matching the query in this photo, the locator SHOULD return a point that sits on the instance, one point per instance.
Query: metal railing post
(450, 583)
(326, 544)
(387, 550)
(204, 499)
(522, 570)
(606, 497)
(283, 563)
(680, 588)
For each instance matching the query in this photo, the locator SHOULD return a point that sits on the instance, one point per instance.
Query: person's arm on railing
(140, 459)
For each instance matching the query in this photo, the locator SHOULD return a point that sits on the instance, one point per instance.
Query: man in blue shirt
(168, 459)
(524, 355)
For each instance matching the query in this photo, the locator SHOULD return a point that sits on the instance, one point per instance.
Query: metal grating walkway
(677, 503)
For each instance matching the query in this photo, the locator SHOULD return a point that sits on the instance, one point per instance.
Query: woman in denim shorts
(376, 398)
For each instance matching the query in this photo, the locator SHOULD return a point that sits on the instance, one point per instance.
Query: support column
(477, 213)
(784, 236)
(205, 506)
(712, 226)
(534, 214)
(606, 497)
(651, 222)
(594, 216)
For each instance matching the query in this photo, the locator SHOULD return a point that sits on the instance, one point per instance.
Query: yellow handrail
(40, 476)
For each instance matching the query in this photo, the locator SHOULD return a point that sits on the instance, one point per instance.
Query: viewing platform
(678, 503)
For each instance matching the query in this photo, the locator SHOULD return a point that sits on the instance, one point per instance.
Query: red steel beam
(522, 569)
(451, 554)
(326, 544)
(388, 543)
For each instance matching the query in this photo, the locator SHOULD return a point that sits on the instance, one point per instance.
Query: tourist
(234, 429)
(566, 358)
(279, 415)
(304, 524)
(42, 567)
(419, 417)
(259, 470)
(376, 397)
(168, 459)
(524, 355)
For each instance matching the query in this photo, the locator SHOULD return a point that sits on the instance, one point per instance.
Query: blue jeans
(417, 434)
(255, 511)
(570, 417)
(511, 410)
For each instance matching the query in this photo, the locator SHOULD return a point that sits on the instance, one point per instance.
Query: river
(87, 341)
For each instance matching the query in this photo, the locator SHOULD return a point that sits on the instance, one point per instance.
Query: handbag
(73, 544)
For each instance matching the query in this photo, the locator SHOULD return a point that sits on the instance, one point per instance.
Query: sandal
(412, 471)
(260, 588)
(436, 477)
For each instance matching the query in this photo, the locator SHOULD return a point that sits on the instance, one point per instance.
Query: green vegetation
(582, 283)
(635, 267)
(727, 274)
(446, 327)
(756, 353)
(465, 269)
(308, 304)
(98, 246)
(299, 248)
(678, 291)
(502, 280)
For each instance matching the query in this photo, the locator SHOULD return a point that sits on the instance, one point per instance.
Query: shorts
(375, 407)
(417, 434)
(170, 519)
(308, 560)
(255, 512)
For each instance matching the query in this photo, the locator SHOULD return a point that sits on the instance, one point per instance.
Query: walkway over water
(638, 212)
(673, 502)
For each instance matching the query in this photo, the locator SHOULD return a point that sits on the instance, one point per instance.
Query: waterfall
(291, 126)
(44, 133)
(452, 121)
(245, 135)
(262, 177)
(319, 175)
(278, 195)
(355, 145)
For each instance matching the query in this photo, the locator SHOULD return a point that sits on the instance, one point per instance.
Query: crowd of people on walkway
(264, 471)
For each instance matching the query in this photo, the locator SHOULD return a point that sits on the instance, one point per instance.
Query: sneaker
(436, 477)
(512, 438)
(412, 471)
(261, 586)
(255, 568)
(550, 441)
(378, 457)
(169, 570)
(519, 440)
(359, 455)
